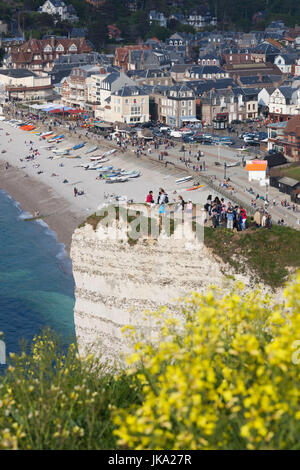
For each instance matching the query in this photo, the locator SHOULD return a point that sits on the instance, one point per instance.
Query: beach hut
(288, 185)
(257, 170)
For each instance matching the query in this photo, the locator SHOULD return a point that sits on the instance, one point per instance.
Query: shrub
(55, 400)
(223, 380)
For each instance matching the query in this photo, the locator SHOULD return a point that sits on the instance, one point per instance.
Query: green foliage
(223, 374)
(270, 254)
(158, 32)
(55, 400)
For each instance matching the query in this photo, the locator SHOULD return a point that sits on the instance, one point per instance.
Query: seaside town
(221, 106)
(181, 108)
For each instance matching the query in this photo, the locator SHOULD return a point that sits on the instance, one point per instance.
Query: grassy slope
(293, 172)
(270, 254)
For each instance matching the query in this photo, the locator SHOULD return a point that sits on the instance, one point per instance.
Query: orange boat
(196, 187)
(27, 127)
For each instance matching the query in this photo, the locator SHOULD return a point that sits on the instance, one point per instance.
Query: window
(126, 101)
(135, 110)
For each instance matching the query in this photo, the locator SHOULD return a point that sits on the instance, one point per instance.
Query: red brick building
(38, 54)
(285, 137)
(122, 55)
(292, 138)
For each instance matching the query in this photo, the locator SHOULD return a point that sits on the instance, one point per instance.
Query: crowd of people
(179, 204)
(225, 214)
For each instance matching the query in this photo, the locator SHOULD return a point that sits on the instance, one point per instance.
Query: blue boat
(79, 146)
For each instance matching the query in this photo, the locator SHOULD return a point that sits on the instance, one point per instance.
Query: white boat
(97, 158)
(183, 180)
(62, 154)
(92, 149)
(44, 134)
(116, 179)
(130, 174)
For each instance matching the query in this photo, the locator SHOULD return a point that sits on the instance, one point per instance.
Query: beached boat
(57, 138)
(130, 174)
(27, 127)
(184, 179)
(104, 169)
(109, 152)
(46, 134)
(78, 146)
(92, 149)
(62, 154)
(116, 179)
(95, 158)
(72, 156)
(195, 187)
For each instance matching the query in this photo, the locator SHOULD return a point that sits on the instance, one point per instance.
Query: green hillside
(232, 14)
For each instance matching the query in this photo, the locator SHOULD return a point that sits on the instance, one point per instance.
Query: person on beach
(75, 192)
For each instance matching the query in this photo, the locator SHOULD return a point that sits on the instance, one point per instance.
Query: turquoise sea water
(36, 282)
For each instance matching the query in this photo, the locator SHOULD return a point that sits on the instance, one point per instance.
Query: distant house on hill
(114, 32)
(157, 17)
(59, 8)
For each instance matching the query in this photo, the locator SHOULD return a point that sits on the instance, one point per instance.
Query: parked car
(188, 139)
(252, 143)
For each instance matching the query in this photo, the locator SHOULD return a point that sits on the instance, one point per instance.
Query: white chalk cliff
(117, 281)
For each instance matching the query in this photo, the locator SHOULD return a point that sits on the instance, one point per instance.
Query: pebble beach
(33, 185)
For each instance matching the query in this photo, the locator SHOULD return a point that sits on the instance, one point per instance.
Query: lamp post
(225, 166)
(267, 192)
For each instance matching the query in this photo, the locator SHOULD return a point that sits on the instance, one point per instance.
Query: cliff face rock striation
(117, 281)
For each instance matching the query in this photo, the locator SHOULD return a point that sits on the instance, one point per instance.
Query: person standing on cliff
(150, 199)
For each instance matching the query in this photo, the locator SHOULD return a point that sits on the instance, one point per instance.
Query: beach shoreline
(32, 194)
(38, 185)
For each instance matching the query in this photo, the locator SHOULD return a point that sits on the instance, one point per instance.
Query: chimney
(52, 41)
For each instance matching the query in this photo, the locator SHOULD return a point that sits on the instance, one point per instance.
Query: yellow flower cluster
(225, 377)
